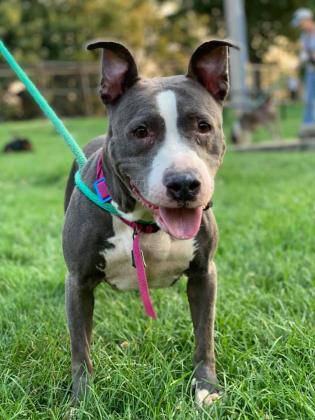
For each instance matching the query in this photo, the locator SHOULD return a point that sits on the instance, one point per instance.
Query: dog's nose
(182, 187)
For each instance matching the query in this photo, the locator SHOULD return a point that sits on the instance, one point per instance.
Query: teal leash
(60, 128)
(140, 226)
(44, 106)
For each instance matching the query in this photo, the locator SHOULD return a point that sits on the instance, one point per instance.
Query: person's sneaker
(307, 132)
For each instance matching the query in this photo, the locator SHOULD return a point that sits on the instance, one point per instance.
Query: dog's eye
(204, 127)
(141, 132)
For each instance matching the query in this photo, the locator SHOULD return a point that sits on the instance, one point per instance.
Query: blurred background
(48, 38)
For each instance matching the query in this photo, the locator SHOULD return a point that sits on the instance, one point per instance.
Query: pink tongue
(181, 223)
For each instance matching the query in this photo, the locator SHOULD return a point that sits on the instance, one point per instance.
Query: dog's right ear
(119, 70)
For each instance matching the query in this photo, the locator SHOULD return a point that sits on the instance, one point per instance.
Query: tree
(265, 20)
(58, 30)
(162, 33)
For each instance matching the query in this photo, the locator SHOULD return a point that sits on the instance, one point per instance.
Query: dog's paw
(205, 393)
(204, 397)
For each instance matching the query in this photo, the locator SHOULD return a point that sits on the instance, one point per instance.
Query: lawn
(265, 339)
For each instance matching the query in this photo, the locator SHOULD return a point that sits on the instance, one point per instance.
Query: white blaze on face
(174, 154)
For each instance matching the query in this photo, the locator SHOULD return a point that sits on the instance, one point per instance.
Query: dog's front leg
(201, 291)
(79, 304)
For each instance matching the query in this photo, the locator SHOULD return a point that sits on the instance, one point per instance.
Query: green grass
(265, 336)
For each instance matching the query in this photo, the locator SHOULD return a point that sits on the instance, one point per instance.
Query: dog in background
(265, 115)
(18, 145)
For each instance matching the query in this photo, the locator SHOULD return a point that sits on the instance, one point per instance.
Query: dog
(163, 148)
(264, 115)
(18, 145)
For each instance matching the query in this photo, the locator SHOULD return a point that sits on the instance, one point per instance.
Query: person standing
(303, 20)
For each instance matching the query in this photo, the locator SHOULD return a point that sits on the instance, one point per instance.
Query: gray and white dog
(164, 146)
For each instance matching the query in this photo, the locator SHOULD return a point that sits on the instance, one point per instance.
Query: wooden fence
(72, 88)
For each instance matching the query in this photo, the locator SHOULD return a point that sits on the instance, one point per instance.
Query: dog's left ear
(119, 70)
(209, 65)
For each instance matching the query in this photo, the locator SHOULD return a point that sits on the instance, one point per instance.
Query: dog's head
(165, 141)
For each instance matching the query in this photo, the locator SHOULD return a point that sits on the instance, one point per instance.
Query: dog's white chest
(165, 259)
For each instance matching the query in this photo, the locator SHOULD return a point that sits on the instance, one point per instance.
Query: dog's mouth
(180, 223)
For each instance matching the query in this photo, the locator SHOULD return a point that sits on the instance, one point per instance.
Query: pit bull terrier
(164, 146)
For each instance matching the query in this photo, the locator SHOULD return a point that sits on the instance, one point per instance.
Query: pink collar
(101, 189)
